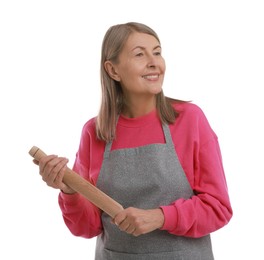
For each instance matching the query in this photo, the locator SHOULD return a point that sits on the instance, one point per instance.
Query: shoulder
(88, 136)
(88, 129)
(188, 109)
(90, 124)
(192, 118)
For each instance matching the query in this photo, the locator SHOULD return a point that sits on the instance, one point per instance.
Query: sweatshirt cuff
(170, 217)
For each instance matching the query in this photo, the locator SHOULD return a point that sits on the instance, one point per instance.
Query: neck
(139, 106)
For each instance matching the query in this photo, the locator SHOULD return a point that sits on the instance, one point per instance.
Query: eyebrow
(143, 48)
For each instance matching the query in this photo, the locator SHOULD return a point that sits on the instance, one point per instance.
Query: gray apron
(146, 177)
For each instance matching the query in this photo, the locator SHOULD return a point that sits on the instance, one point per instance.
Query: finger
(60, 175)
(54, 165)
(36, 161)
(131, 229)
(135, 233)
(119, 218)
(62, 162)
(44, 161)
(54, 168)
(124, 225)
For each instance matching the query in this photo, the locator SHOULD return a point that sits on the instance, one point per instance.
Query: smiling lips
(151, 77)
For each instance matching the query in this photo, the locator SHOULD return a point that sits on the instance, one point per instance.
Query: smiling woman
(156, 156)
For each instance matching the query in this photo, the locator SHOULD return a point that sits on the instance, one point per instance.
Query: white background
(49, 87)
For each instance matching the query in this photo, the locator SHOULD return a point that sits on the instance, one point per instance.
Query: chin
(156, 90)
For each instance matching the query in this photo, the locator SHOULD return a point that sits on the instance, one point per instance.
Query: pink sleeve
(81, 216)
(209, 209)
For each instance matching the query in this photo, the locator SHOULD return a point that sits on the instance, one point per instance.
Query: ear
(110, 68)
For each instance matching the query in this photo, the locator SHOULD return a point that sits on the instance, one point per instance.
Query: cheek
(131, 72)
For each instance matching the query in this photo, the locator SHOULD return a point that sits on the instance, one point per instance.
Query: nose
(152, 61)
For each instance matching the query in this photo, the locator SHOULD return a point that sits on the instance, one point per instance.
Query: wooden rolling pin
(82, 186)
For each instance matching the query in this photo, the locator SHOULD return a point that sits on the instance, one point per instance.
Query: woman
(158, 157)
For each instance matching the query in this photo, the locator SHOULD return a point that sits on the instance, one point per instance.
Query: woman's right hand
(52, 169)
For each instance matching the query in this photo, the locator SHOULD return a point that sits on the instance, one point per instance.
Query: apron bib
(146, 177)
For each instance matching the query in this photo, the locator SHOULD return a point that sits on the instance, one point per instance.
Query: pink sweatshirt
(198, 150)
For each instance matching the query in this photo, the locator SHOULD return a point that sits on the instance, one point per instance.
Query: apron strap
(107, 149)
(168, 138)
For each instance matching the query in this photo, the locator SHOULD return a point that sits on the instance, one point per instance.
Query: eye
(157, 53)
(139, 54)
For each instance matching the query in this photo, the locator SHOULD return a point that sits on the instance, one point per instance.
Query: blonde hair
(112, 99)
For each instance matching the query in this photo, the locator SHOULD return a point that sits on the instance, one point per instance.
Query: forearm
(196, 217)
(139, 221)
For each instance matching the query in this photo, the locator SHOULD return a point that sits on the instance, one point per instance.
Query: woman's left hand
(139, 221)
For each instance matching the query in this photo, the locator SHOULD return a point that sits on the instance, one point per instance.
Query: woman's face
(140, 68)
